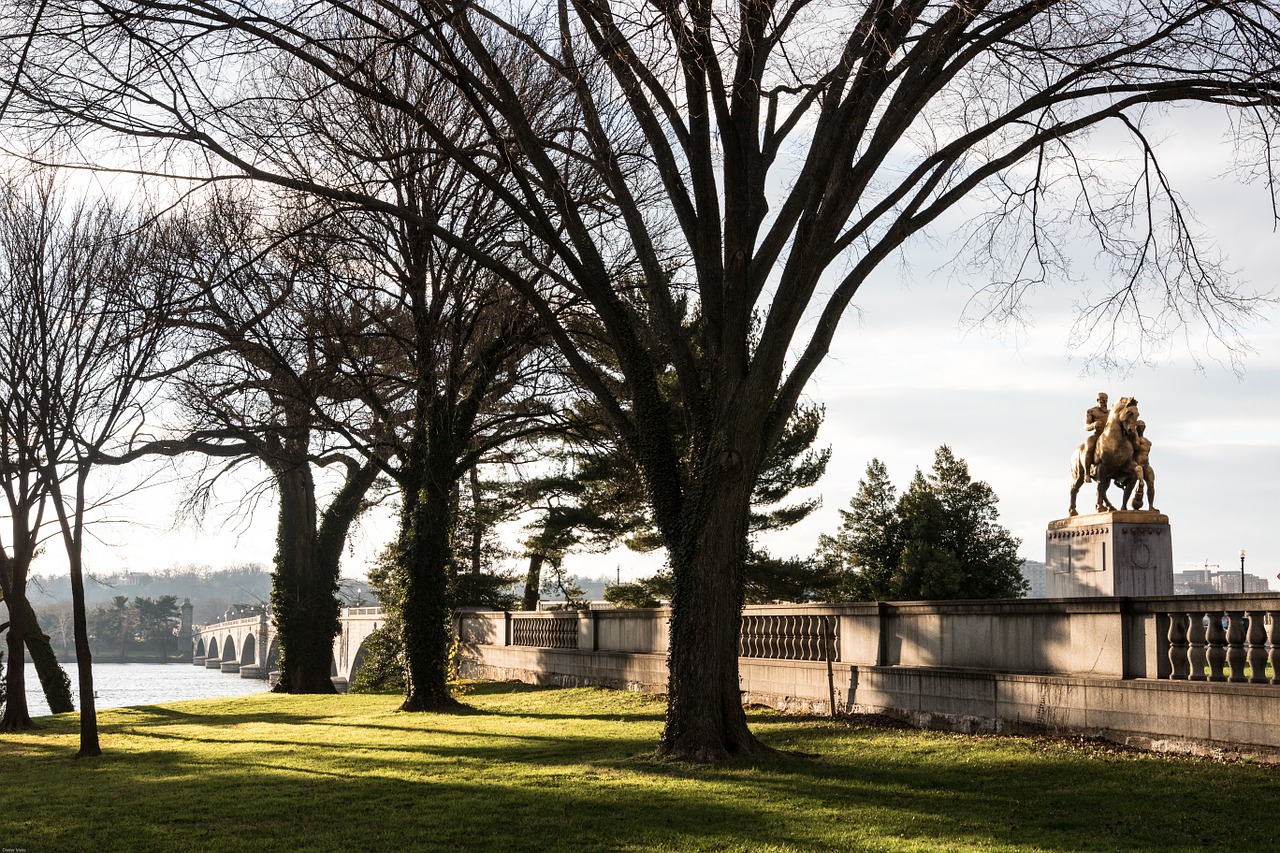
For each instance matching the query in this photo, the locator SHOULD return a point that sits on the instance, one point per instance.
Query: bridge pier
(198, 661)
(213, 663)
(230, 666)
(251, 671)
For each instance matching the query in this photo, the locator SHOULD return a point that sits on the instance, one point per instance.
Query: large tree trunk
(426, 526)
(16, 716)
(89, 745)
(705, 720)
(25, 633)
(705, 527)
(53, 678)
(303, 595)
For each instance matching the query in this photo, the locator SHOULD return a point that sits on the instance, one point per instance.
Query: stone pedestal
(1109, 554)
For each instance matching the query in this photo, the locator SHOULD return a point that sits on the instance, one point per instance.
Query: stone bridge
(249, 646)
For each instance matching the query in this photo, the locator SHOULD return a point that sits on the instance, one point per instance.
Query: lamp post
(1241, 570)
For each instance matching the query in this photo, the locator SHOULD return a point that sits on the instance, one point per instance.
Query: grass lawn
(530, 769)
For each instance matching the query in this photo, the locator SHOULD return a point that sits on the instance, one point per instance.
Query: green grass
(528, 769)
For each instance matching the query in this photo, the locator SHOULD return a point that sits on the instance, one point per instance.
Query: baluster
(1257, 637)
(833, 637)
(1273, 640)
(1196, 659)
(748, 637)
(1235, 646)
(1164, 664)
(1216, 647)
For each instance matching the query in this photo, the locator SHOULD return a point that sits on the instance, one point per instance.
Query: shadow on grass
(606, 802)
(476, 783)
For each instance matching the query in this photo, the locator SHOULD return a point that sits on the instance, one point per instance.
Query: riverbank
(530, 769)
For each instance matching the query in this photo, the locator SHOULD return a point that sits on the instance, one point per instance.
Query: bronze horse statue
(1114, 457)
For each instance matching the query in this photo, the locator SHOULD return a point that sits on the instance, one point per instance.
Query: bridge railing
(362, 611)
(1230, 638)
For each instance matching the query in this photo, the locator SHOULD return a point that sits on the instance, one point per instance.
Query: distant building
(1207, 582)
(1035, 575)
(124, 580)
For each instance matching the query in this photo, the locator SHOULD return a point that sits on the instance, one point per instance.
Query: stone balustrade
(797, 636)
(1184, 671)
(545, 630)
(1232, 638)
(1233, 641)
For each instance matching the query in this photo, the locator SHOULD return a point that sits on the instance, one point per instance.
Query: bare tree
(756, 158)
(97, 324)
(36, 232)
(448, 362)
(259, 361)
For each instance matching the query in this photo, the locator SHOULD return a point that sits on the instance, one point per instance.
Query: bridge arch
(272, 660)
(199, 652)
(248, 651)
(357, 660)
(229, 648)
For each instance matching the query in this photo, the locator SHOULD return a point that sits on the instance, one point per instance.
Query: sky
(908, 373)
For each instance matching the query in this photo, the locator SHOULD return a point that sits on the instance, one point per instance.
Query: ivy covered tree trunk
(308, 564)
(705, 720)
(16, 716)
(25, 636)
(303, 595)
(426, 527)
(54, 681)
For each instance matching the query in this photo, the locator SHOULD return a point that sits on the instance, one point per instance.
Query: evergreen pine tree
(942, 540)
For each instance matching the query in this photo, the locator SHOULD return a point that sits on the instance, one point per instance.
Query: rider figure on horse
(1094, 421)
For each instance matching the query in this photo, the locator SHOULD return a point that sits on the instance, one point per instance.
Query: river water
(120, 685)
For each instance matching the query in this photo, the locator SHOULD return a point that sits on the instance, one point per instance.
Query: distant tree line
(211, 591)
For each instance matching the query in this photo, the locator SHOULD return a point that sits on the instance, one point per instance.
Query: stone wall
(1159, 672)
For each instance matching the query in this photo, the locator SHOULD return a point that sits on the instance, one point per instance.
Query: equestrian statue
(1116, 452)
